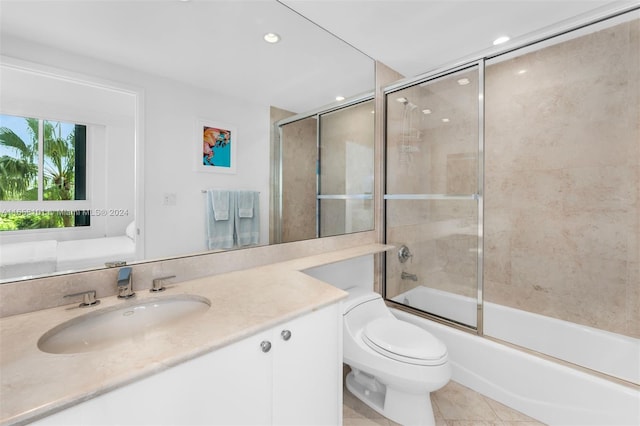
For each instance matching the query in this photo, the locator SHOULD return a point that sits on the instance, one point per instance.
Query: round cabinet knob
(265, 346)
(286, 334)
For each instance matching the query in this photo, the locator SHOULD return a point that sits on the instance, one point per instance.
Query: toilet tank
(358, 296)
(361, 307)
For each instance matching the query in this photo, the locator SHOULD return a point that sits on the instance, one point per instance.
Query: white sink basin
(134, 321)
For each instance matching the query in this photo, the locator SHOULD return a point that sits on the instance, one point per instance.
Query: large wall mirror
(108, 107)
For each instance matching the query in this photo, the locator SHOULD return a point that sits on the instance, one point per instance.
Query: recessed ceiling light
(426, 111)
(463, 81)
(522, 72)
(445, 120)
(339, 98)
(500, 40)
(271, 38)
(403, 100)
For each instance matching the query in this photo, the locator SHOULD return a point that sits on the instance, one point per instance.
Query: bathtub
(543, 389)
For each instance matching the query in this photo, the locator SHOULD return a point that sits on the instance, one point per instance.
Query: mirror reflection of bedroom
(137, 193)
(76, 198)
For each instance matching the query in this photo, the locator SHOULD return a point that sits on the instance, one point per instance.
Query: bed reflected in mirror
(68, 198)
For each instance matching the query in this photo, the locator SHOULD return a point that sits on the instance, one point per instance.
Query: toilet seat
(404, 342)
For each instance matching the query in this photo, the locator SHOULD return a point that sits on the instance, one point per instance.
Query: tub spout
(408, 276)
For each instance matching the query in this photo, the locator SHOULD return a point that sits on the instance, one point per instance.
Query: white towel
(220, 205)
(248, 228)
(244, 204)
(220, 233)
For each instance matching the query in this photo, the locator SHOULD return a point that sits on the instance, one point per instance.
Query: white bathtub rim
(498, 323)
(578, 398)
(623, 369)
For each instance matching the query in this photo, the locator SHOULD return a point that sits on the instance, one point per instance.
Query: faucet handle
(88, 298)
(404, 254)
(157, 283)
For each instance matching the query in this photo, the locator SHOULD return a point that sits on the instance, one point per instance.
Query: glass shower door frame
(478, 195)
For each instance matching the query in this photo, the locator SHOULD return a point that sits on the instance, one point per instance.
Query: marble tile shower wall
(562, 183)
(562, 187)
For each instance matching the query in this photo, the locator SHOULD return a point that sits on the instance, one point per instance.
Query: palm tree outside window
(41, 160)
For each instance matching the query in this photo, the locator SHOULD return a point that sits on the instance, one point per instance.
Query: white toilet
(394, 364)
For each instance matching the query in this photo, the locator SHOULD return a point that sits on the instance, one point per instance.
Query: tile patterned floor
(453, 405)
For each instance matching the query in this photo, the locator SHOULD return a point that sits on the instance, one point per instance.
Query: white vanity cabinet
(297, 381)
(307, 370)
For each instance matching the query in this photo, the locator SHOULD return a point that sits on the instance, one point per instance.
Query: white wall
(171, 149)
(170, 145)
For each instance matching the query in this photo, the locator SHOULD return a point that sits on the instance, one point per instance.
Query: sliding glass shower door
(325, 173)
(433, 199)
(345, 170)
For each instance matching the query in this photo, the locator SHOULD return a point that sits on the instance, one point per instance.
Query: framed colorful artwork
(217, 143)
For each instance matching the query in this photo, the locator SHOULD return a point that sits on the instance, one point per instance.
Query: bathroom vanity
(268, 350)
(260, 380)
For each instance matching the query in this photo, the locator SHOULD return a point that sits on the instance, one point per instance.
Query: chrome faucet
(408, 276)
(125, 283)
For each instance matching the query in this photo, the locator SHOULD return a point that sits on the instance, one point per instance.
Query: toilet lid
(404, 342)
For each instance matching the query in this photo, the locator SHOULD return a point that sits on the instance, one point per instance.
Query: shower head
(404, 101)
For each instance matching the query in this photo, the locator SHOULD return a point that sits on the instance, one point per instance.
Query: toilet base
(404, 408)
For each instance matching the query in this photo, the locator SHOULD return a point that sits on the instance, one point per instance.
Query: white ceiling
(217, 44)
(213, 44)
(416, 36)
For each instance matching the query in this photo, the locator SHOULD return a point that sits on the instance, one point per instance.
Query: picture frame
(216, 145)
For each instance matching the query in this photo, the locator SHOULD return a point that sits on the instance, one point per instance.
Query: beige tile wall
(384, 76)
(562, 180)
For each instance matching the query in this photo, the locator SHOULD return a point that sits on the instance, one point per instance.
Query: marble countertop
(35, 384)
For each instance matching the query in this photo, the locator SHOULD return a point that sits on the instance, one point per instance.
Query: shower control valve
(404, 254)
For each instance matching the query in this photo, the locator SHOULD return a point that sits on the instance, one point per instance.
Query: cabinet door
(230, 386)
(307, 370)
